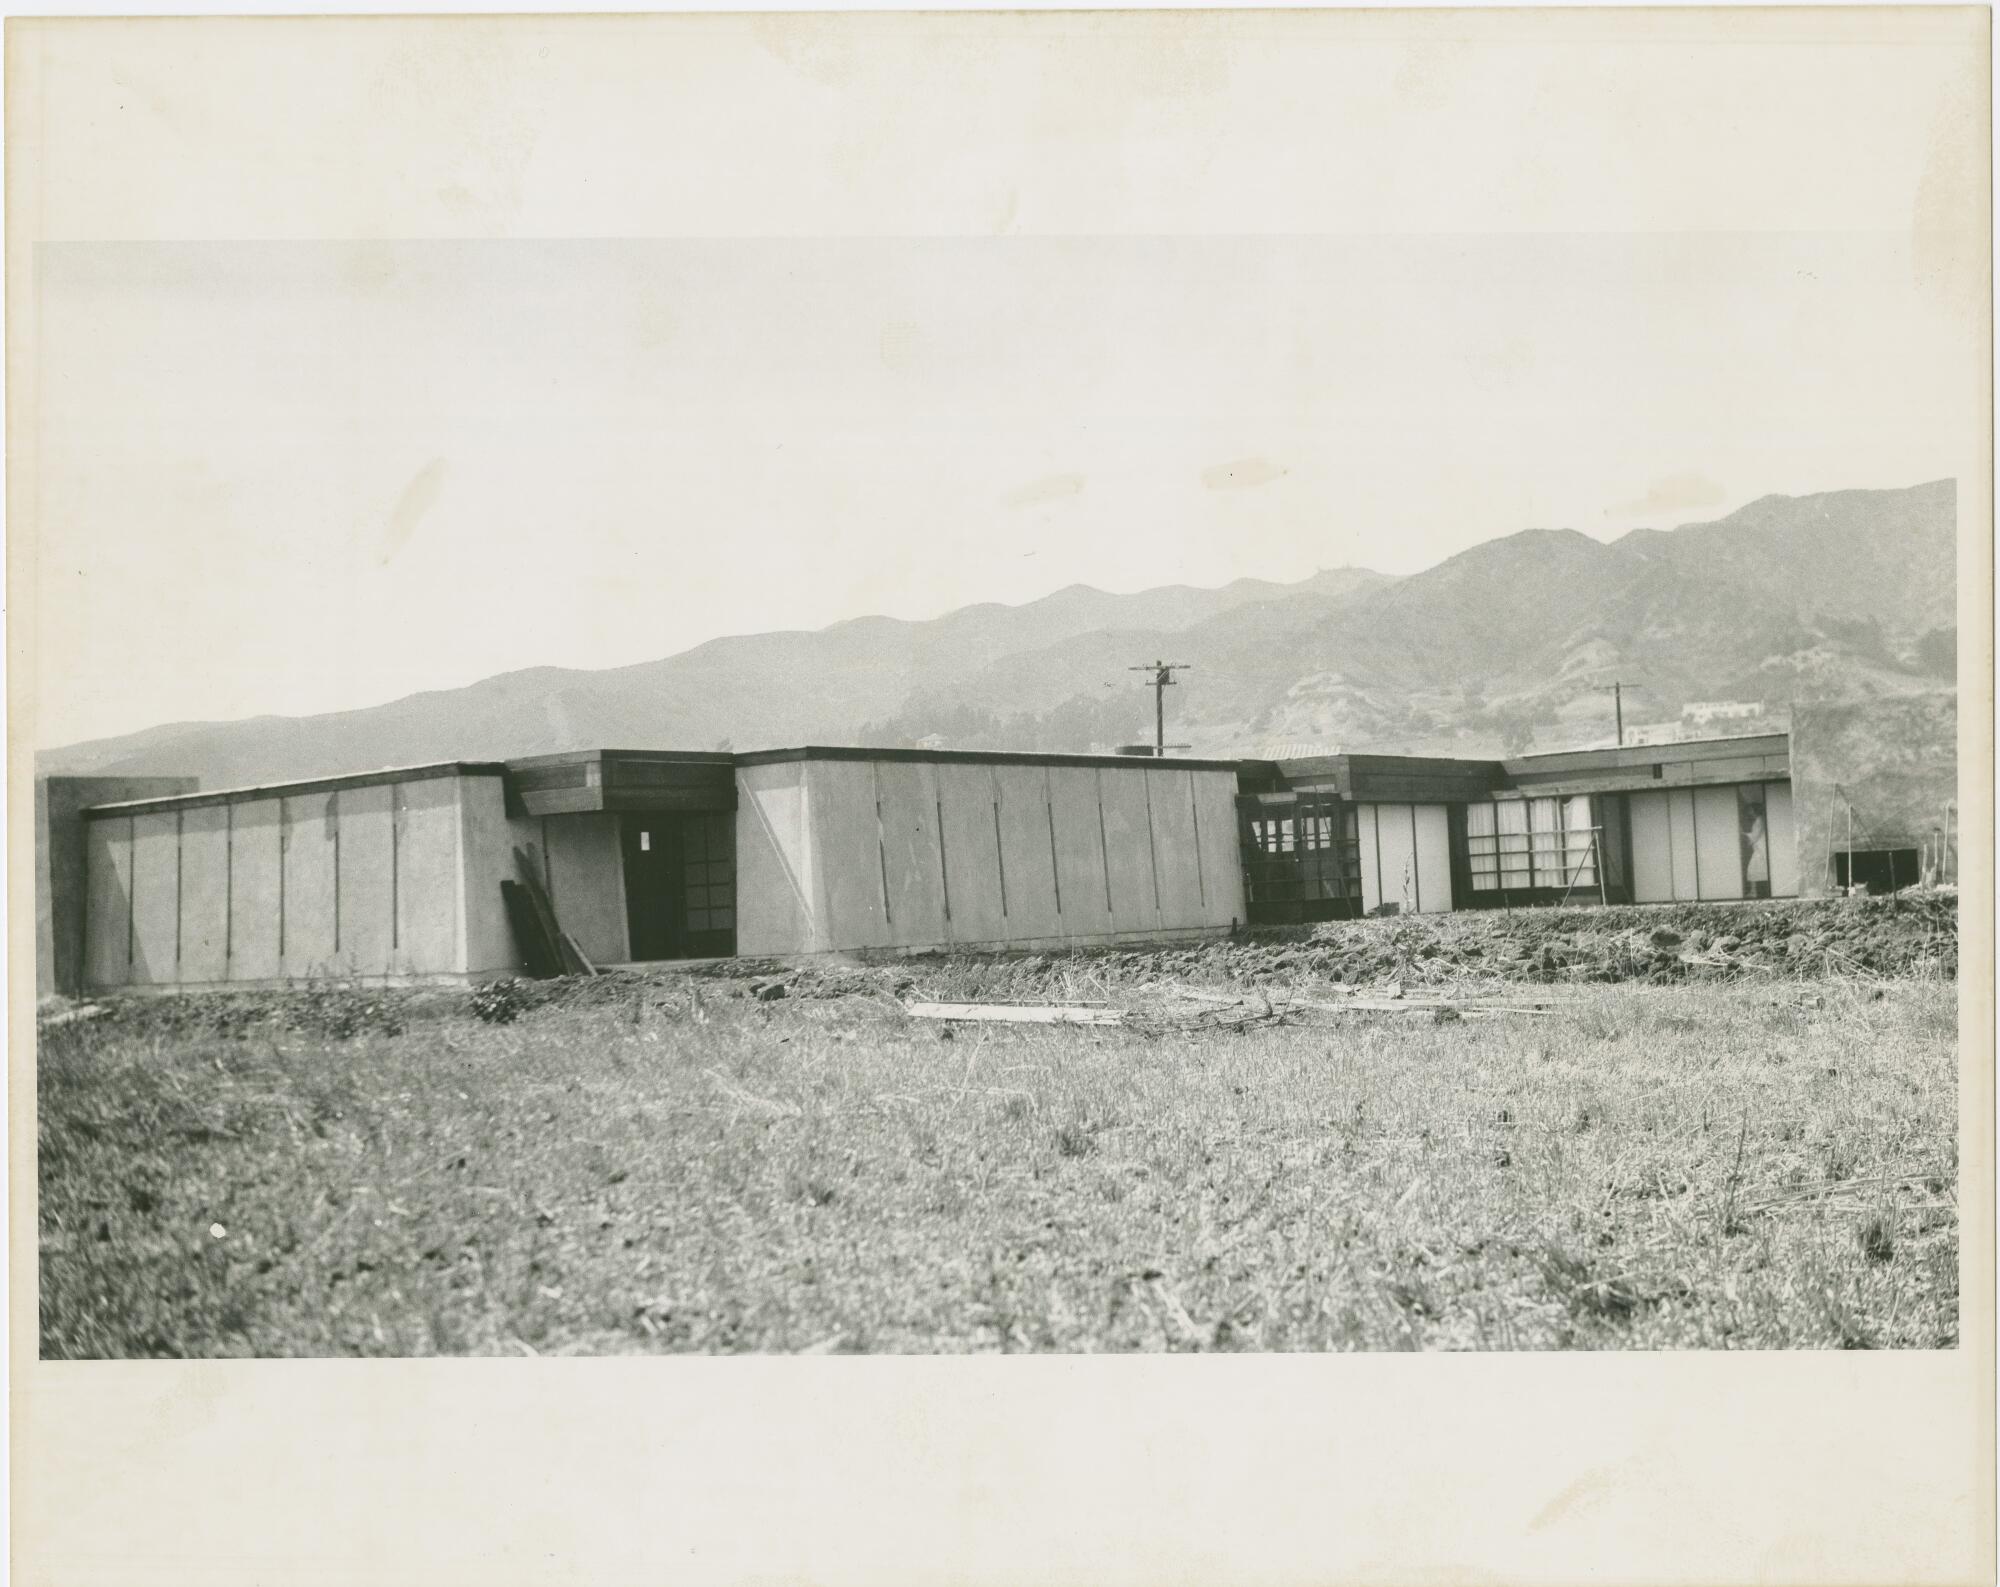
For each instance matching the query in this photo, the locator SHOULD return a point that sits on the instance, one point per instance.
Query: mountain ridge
(1504, 646)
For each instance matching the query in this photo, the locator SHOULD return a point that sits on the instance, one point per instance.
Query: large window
(1518, 844)
(1275, 835)
(1307, 833)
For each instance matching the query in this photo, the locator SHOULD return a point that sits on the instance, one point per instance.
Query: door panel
(708, 853)
(655, 904)
(1652, 848)
(1718, 842)
(680, 884)
(1433, 858)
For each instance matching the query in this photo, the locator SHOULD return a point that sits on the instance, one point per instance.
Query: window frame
(1519, 856)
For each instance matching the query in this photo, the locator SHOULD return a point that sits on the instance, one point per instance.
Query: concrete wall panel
(155, 898)
(1223, 895)
(842, 799)
(107, 915)
(204, 894)
(1019, 851)
(519, 836)
(1081, 884)
(970, 834)
(1128, 836)
(1027, 851)
(61, 868)
(367, 882)
(1718, 842)
(1783, 840)
(910, 852)
(427, 877)
(1170, 813)
(776, 905)
(486, 858)
(584, 871)
(312, 824)
(253, 891)
(1433, 858)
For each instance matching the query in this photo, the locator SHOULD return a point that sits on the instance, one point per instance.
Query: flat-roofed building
(648, 855)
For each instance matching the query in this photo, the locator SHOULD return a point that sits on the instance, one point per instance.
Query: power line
(1162, 680)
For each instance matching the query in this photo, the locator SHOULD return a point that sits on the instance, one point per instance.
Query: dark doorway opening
(680, 885)
(1878, 870)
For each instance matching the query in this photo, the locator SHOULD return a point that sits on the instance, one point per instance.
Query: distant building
(1698, 721)
(649, 855)
(1703, 712)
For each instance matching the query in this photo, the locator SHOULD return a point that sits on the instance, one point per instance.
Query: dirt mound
(1882, 937)
(1913, 936)
(1466, 951)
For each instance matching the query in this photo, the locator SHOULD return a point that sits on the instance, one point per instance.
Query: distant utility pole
(1617, 692)
(1162, 680)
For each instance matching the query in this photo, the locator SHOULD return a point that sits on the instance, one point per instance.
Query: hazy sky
(286, 473)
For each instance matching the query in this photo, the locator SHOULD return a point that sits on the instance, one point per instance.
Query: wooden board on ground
(1017, 1013)
(1371, 1005)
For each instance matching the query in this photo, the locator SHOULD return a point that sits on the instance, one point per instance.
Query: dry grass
(1715, 1168)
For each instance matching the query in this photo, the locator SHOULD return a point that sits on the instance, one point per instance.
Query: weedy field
(699, 1163)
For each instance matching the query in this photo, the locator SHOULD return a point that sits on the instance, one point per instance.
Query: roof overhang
(585, 780)
(198, 798)
(980, 757)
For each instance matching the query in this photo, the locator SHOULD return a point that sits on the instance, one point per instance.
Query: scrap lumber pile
(1267, 1006)
(546, 949)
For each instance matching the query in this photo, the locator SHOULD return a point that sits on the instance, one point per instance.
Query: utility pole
(1616, 690)
(1162, 680)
